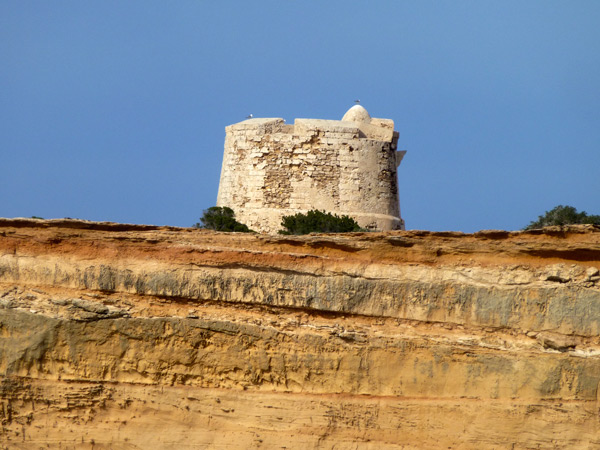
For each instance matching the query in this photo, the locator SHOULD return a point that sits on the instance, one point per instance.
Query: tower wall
(271, 169)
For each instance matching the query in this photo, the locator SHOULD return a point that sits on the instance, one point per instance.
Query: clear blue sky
(115, 110)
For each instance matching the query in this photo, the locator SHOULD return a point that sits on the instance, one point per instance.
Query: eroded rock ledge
(367, 340)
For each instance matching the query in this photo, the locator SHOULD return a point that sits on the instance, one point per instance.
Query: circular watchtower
(345, 167)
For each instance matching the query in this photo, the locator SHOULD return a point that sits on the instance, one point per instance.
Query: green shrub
(221, 219)
(563, 215)
(315, 221)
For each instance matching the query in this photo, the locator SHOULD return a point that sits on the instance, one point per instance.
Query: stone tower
(346, 166)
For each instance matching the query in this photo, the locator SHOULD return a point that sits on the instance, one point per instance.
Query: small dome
(357, 114)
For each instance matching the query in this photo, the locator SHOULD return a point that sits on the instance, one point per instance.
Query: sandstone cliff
(135, 337)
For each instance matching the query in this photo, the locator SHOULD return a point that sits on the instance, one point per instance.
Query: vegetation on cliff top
(563, 215)
(221, 219)
(316, 221)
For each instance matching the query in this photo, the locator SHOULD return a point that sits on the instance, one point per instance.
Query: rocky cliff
(134, 337)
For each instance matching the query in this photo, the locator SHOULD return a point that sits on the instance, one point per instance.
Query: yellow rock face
(123, 336)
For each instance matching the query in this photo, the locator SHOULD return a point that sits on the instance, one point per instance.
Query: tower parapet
(271, 169)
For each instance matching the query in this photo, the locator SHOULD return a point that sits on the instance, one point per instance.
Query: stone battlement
(271, 169)
(379, 129)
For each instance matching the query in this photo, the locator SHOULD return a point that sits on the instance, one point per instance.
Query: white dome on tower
(357, 114)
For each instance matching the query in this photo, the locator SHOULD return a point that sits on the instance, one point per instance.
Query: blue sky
(115, 110)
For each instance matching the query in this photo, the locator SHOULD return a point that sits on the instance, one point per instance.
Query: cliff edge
(132, 337)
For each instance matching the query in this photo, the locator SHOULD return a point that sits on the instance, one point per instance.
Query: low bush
(563, 215)
(221, 218)
(315, 221)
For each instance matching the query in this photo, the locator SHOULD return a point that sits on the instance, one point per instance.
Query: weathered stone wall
(271, 169)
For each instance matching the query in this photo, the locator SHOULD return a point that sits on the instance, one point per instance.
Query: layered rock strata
(124, 336)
